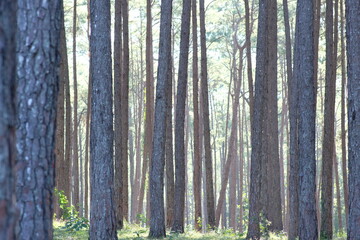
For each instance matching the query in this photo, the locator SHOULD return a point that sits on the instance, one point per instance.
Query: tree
(179, 200)
(197, 155)
(102, 215)
(353, 63)
(118, 69)
(256, 128)
(75, 158)
(157, 216)
(8, 217)
(329, 119)
(210, 201)
(304, 76)
(37, 91)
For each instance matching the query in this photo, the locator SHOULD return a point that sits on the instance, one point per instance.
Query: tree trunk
(343, 113)
(337, 185)
(157, 216)
(328, 141)
(102, 215)
(197, 152)
(118, 63)
(35, 136)
(75, 158)
(169, 160)
(8, 216)
(304, 76)
(353, 53)
(210, 202)
(149, 122)
(179, 199)
(257, 126)
(62, 166)
(125, 112)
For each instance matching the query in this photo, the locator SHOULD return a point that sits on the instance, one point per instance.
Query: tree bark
(329, 115)
(197, 152)
(102, 215)
(210, 202)
(353, 53)
(75, 158)
(179, 199)
(37, 91)
(125, 112)
(343, 113)
(118, 69)
(8, 216)
(157, 216)
(304, 76)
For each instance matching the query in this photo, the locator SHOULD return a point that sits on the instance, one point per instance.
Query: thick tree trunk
(210, 202)
(102, 215)
(157, 216)
(197, 151)
(8, 216)
(257, 125)
(179, 199)
(353, 53)
(36, 115)
(328, 141)
(304, 76)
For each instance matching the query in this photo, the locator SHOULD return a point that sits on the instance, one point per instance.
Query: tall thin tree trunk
(118, 70)
(304, 76)
(353, 53)
(157, 215)
(343, 112)
(102, 214)
(125, 112)
(210, 202)
(197, 151)
(75, 158)
(328, 141)
(337, 185)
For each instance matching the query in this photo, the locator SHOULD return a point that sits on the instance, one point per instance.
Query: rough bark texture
(304, 75)
(8, 213)
(353, 53)
(197, 152)
(257, 126)
(328, 141)
(102, 215)
(157, 216)
(179, 199)
(210, 201)
(118, 60)
(37, 74)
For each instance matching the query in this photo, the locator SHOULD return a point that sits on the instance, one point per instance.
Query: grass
(135, 232)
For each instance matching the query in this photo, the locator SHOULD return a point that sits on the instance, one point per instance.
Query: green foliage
(69, 214)
(141, 218)
(264, 226)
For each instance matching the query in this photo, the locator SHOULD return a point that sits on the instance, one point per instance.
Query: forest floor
(135, 232)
